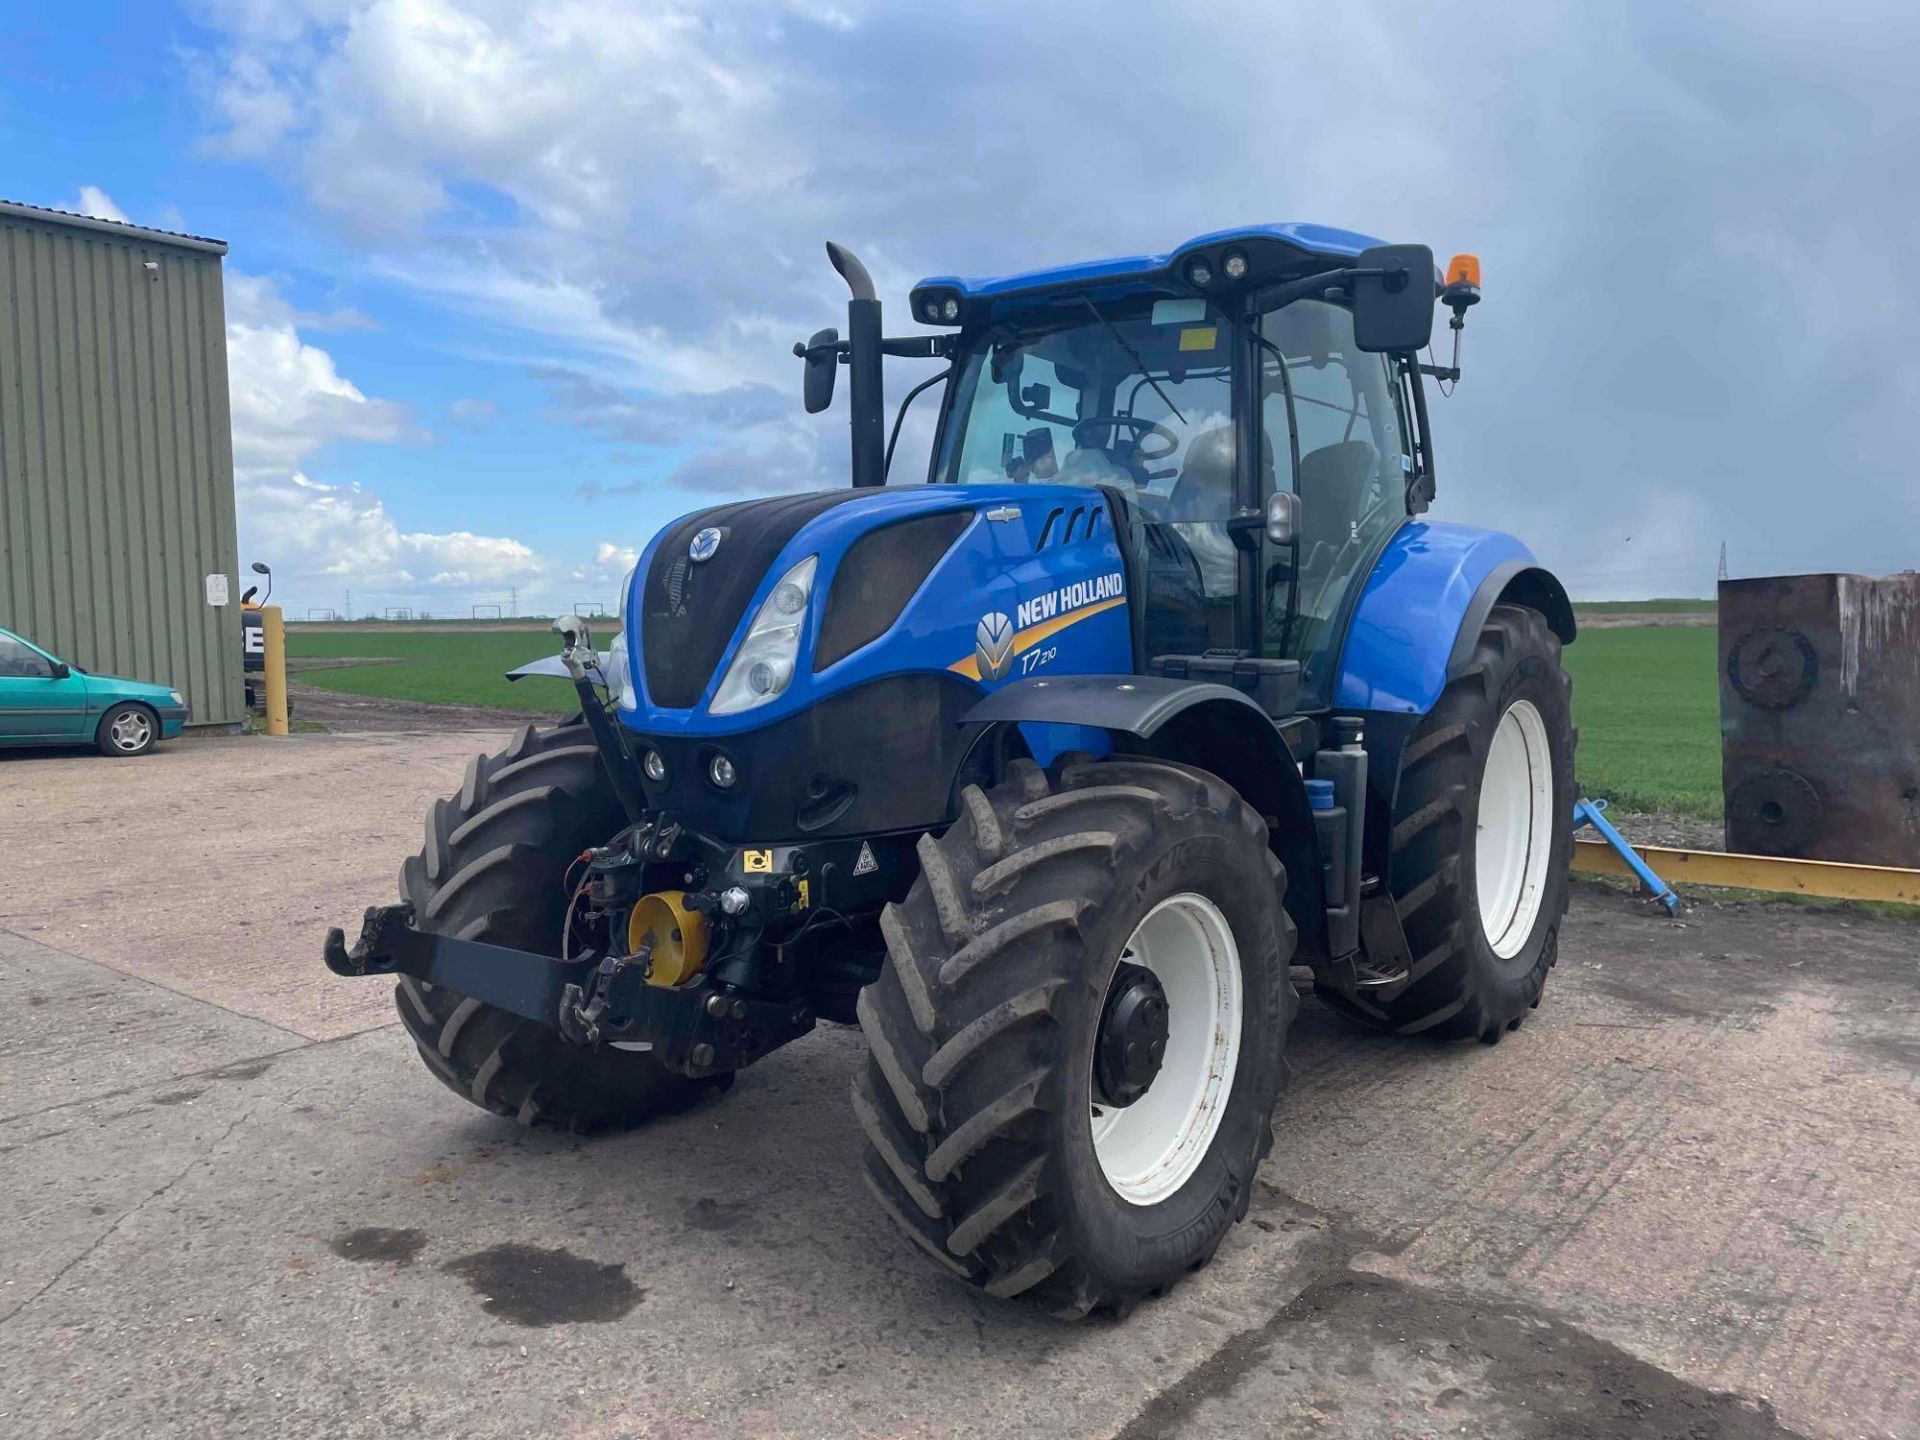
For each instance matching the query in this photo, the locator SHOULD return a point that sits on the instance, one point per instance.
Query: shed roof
(15, 209)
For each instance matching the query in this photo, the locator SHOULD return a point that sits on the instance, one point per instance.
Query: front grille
(689, 610)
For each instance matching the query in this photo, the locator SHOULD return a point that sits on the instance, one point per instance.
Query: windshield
(1137, 397)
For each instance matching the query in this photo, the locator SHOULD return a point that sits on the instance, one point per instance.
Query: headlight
(615, 668)
(764, 667)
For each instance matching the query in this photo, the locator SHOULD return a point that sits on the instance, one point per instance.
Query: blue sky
(511, 284)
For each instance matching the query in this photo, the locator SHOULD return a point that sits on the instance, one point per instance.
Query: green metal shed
(117, 543)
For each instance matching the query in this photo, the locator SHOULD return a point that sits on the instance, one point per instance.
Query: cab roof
(1274, 248)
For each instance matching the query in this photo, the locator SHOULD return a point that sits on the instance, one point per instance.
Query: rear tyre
(127, 730)
(1005, 1135)
(1482, 836)
(493, 869)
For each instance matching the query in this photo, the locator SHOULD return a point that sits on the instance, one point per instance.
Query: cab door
(1337, 411)
(36, 703)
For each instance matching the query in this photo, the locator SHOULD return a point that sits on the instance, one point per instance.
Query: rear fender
(1414, 629)
(1211, 727)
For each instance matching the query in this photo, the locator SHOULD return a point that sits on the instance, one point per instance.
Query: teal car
(46, 701)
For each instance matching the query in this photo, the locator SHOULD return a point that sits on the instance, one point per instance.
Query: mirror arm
(1314, 287)
(919, 347)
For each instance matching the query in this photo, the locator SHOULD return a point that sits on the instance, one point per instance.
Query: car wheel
(127, 729)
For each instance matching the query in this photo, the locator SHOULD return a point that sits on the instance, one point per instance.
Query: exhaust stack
(866, 401)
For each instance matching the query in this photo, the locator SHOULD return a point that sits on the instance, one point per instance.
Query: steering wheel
(1142, 429)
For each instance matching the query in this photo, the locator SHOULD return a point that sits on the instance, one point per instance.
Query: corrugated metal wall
(116, 456)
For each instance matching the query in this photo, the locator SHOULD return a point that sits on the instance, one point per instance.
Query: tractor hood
(970, 584)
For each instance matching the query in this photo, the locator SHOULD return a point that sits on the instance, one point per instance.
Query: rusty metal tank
(1820, 717)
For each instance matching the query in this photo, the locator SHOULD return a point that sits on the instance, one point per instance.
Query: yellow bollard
(273, 636)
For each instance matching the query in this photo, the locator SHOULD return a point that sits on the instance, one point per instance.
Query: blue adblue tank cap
(1320, 794)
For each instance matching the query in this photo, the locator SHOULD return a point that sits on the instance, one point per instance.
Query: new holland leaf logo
(993, 645)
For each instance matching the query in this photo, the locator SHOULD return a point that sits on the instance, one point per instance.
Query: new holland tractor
(1050, 769)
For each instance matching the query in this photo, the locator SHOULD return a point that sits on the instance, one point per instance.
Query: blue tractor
(1051, 770)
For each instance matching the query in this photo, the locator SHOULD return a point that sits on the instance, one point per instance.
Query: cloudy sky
(512, 282)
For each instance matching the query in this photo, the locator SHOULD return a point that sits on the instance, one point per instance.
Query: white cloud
(96, 202)
(610, 562)
(469, 410)
(289, 402)
(328, 537)
(289, 399)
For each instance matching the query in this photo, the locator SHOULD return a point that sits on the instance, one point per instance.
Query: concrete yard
(1681, 1201)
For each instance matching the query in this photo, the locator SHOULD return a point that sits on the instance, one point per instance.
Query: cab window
(1344, 405)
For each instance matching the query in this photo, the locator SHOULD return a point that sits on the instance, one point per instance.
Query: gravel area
(1675, 832)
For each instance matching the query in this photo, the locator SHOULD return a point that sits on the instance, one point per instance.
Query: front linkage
(698, 1029)
(715, 972)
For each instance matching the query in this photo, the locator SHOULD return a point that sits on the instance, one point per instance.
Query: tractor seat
(1333, 481)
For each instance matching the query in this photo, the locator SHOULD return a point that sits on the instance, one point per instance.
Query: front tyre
(127, 730)
(1482, 838)
(1076, 1046)
(494, 868)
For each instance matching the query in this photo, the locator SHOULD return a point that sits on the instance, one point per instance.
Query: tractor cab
(1261, 456)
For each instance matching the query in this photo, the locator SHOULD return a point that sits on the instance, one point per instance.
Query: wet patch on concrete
(1698, 998)
(375, 1245)
(178, 1097)
(528, 1285)
(1899, 1051)
(719, 1216)
(247, 1070)
(1354, 1347)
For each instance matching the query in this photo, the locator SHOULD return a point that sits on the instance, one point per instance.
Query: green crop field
(1647, 702)
(448, 667)
(1648, 607)
(1644, 697)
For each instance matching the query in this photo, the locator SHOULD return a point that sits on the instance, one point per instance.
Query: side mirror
(61, 670)
(1393, 309)
(822, 354)
(1283, 517)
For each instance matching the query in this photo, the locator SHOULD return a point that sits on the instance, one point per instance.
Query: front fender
(1212, 727)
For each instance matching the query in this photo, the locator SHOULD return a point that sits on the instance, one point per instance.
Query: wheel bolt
(716, 1005)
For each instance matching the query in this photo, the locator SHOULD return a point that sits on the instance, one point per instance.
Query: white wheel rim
(130, 731)
(1149, 1149)
(1515, 833)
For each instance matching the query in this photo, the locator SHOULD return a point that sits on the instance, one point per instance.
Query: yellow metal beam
(1828, 878)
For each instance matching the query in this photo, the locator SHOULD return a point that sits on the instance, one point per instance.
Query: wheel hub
(1133, 1036)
